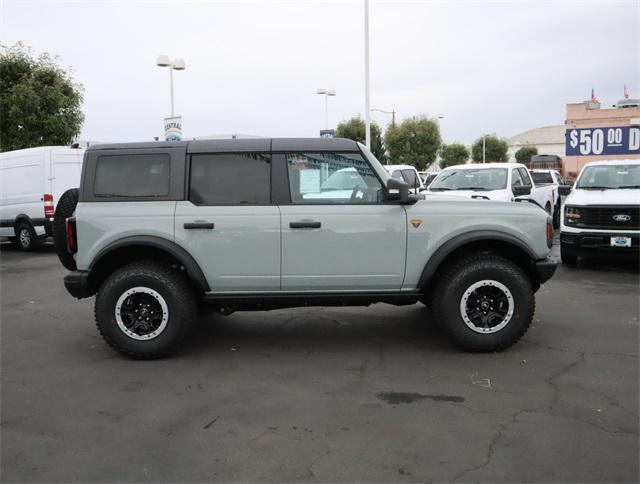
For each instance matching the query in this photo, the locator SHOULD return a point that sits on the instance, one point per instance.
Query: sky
(254, 66)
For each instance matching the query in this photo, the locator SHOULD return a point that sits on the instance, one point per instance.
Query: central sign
(173, 128)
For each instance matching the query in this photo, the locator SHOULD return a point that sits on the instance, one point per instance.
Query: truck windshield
(470, 179)
(541, 178)
(603, 177)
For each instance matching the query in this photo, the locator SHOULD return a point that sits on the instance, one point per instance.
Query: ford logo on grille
(621, 217)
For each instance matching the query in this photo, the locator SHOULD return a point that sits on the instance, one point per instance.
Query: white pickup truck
(504, 182)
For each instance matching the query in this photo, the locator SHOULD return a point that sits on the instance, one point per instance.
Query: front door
(229, 225)
(338, 233)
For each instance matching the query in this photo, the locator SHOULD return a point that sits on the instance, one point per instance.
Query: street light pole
(392, 113)
(483, 148)
(171, 88)
(178, 65)
(367, 109)
(326, 93)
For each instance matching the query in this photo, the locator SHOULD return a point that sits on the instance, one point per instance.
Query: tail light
(49, 210)
(549, 234)
(72, 236)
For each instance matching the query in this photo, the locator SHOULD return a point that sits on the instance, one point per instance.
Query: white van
(31, 182)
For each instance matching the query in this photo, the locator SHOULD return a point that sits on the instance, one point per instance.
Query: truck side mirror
(564, 189)
(521, 190)
(397, 190)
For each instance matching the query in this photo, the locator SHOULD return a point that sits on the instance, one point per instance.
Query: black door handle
(198, 225)
(305, 225)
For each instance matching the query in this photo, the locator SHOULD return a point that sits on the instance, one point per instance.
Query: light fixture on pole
(178, 65)
(392, 113)
(367, 104)
(326, 93)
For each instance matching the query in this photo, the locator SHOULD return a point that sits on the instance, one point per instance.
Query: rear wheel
(144, 310)
(26, 238)
(484, 302)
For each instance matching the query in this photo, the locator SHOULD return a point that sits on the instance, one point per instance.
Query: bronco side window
(230, 179)
(143, 175)
(319, 178)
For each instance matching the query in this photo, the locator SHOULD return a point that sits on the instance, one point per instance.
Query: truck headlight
(571, 215)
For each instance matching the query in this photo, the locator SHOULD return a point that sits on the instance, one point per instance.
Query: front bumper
(77, 284)
(545, 268)
(599, 243)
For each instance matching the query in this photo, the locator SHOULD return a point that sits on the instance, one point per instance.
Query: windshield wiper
(434, 189)
(629, 186)
(475, 189)
(595, 187)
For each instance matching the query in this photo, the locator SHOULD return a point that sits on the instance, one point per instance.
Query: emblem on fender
(416, 222)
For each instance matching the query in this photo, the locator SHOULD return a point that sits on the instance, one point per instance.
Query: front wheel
(145, 309)
(556, 216)
(484, 302)
(26, 238)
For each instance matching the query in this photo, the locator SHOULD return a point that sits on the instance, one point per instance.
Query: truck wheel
(568, 256)
(145, 309)
(484, 302)
(65, 208)
(26, 238)
(556, 216)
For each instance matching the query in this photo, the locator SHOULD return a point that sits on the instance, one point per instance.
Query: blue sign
(327, 133)
(603, 141)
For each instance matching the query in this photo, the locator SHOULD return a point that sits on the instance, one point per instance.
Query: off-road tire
(568, 256)
(171, 284)
(65, 209)
(454, 281)
(28, 243)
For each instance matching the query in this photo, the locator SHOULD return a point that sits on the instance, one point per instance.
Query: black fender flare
(193, 270)
(458, 241)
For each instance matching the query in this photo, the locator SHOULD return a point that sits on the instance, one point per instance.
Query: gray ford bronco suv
(156, 229)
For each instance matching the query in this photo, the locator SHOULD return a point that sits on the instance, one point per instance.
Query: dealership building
(589, 133)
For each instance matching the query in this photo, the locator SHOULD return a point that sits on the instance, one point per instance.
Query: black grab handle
(305, 225)
(198, 225)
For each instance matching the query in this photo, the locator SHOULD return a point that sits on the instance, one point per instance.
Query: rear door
(228, 223)
(338, 233)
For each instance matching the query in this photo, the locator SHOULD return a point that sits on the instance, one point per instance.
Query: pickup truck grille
(607, 217)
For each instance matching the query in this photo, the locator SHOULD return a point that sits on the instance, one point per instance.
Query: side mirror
(397, 190)
(564, 190)
(520, 191)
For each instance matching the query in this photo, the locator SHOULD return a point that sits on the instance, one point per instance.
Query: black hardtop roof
(234, 145)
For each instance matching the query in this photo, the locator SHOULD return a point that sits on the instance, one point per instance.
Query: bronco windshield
(603, 177)
(470, 179)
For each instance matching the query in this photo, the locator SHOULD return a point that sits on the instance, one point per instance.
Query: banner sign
(327, 133)
(623, 140)
(173, 128)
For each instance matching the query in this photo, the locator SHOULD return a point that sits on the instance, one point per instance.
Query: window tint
(331, 178)
(526, 179)
(516, 179)
(230, 179)
(540, 178)
(132, 175)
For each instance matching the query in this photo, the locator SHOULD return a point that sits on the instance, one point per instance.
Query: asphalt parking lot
(321, 394)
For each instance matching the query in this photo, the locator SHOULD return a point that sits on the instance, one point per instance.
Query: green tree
(354, 129)
(495, 148)
(414, 142)
(39, 101)
(524, 154)
(453, 154)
